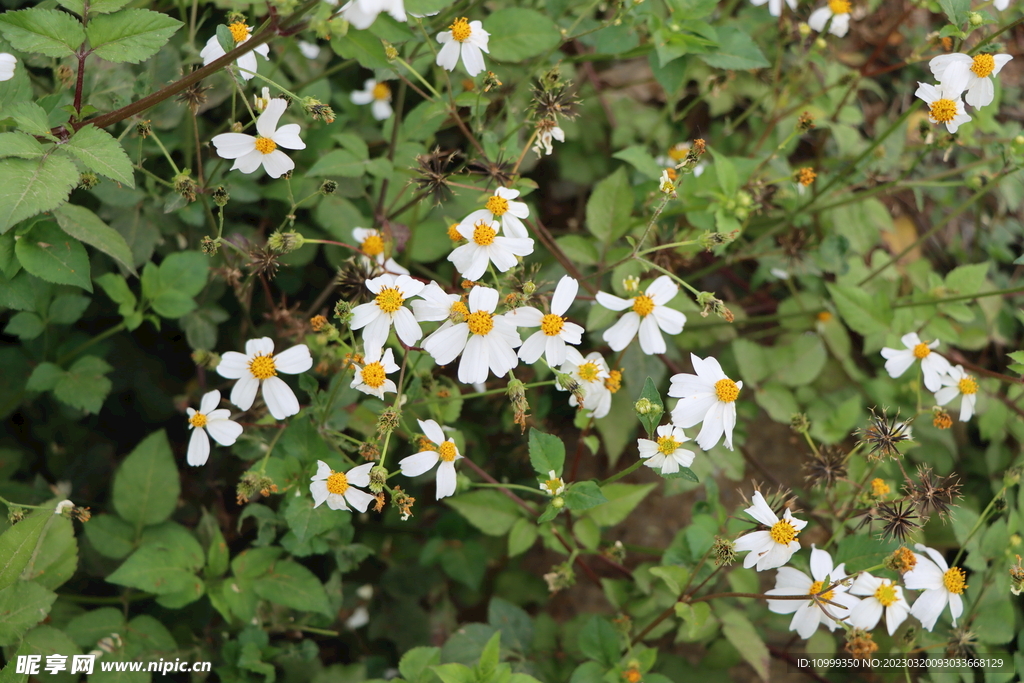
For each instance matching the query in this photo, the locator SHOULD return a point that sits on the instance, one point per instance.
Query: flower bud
(975, 19)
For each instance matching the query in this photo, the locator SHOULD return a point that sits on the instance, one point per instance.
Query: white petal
(929, 606)
(263, 346)
(360, 475)
(651, 341)
(565, 294)
(381, 110)
(415, 465)
(406, 327)
(280, 398)
(622, 332)
(692, 409)
(867, 614)
(662, 290)
(475, 361)
(473, 60)
(294, 360)
(319, 491)
(362, 96)
(612, 302)
(288, 137)
(821, 565)
(244, 392)
(266, 123)
(669, 319)
(713, 428)
(819, 18)
(209, 402)
(323, 470)
(277, 163)
(483, 299)
(448, 56)
(198, 448)
(446, 480)
(233, 145)
(224, 432)
(360, 500)
(432, 431)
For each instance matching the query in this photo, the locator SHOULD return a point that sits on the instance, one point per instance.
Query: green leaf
(861, 312)
(156, 568)
(292, 585)
(518, 34)
(599, 641)
(583, 495)
(46, 31)
(88, 628)
(454, 673)
(547, 453)
(693, 616)
(736, 50)
(21, 145)
(116, 287)
(44, 377)
(652, 418)
(489, 511)
(748, 642)
(610, 206)
(728, 178)
(956, 10)
(621, 499)
(967, 279)
(22, 606)
(132, 35)
(521, 537)
(340, 162)
(32, 186)
(638, 157)
(68, 308)
(84, 386)
(49, 253)
(56, 556)
(184, 271)
(489, 657)
(100, 152)
(83, 224)
(19, 542)
(29, 117)
(514, 623)
(362, 46)
(25, 326)
(110, 536)
(674, 576)
(146, 485)
(415, 663)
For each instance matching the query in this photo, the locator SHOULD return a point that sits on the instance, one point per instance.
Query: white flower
(339, 488)
(466, 38)
(446, 453)
(554, 484)
(555, 332)
(772, 548)
(940, 583)
(247, 62)
(544, 139)
(648, 314)
(7, 64)
(675, 157)
(667, 184)
(371, 378)
(309, 50)
(486, 341)
(376, 317)
(958, 72)
(68, 505)
(836, 10)
(435, 304)
(708, 397)
(484, 245)
(944, 105)
(807, 615)
(372, 244)
(250, 152)
(667, 453)
(362, 13)
(258, 365)
(883, 594)
(216, 422)
(360, 617)
(500, 207)
(377, 92)
(774, 6)
(957, 381)
(933, 366)
(260, 102)
(1001, 4)
(591, 375)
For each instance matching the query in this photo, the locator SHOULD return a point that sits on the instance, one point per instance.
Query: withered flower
(899, 518)
(884, 435)
(498, 171)
(932, 494)
(264, 261)
(194, 96)
(432, 173)
(826, 467)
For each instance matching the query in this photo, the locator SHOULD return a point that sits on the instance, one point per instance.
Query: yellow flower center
(337, 483)
(943, 110)
(643, 305)
(265, 145)
(458, 308)
(984, 64)
(373, 375)
(968, 385)
(953, 580)
(942, 420)
(262, 367)
(678, 151)
(390, 299)
(480, 323)
(879, 488)
(921, 351)
(426, 444)
(614, 381)
(667, 445)
(483, 234)
(632, 675)
(460, 29)
(726, 390)
(824, 316)
(816, 588)
(806, 176)
(198, 420)
(239, 32)
(552, 324)
(839, 6)
(497, 205)
(886, 594)
(552, 485)
(373, 245)
(453, 233)
(589, 371)
(381, 91)
(783, 532)
(447, 451)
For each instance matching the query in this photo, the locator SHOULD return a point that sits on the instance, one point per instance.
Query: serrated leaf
(518, 34)
(583, 495)
(25, 326)
(46, 31)
(44, 377)
(599, 641)
(22, 606)
(956, 10)
(18, 543)
(489, 511)
(49, 253)
(521, 537)
(547, 453)
(621, 499)
(84, 385)
(861, 312)
(29, 117)
(292, 585)
(155, 568)
(340, 162)
(652, 418)
(83, 224)
(146, 485)
(185, 272)
(31, 186)
(66, 309)
(55, 559)
(132, 35)
(100, 152)
(610, 206)
(744, 637)
(736, 50)
(967, 279)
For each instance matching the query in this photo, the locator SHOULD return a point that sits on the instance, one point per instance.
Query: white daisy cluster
(958, 74)
(944, 380)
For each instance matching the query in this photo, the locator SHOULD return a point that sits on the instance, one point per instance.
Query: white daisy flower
(543, 144)
(774, 6)
(648, 314)
(260, 102)
(501, 207)
(216, 422)
(772, 548)
(1001, 4)
(676, 155)
(555, 331)
(955, 382)
(484, 245)
(836, 10)
(376, 317)
(554, 486)
(708, 397)
(251, 152)
(486, 341)
(882, 594)
(338, 489)
(944, 105)
(466, 38)
(371, 378)
(309, 50)
(591, 375)
(362, 13)
(807, 615)
(933, 366)
(941, 584)
(435, 304)
(378, 93)
(7, 64)
(958, 72)
(258, 365)
(440, 450)
(667, 453)
(247, 62)
(372, 244)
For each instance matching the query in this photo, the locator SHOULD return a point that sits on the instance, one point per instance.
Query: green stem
(518, 487)
(95, 340)
(490, 392)
(163, 149)
(619, 475)
(270, 449)
(977, 525)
